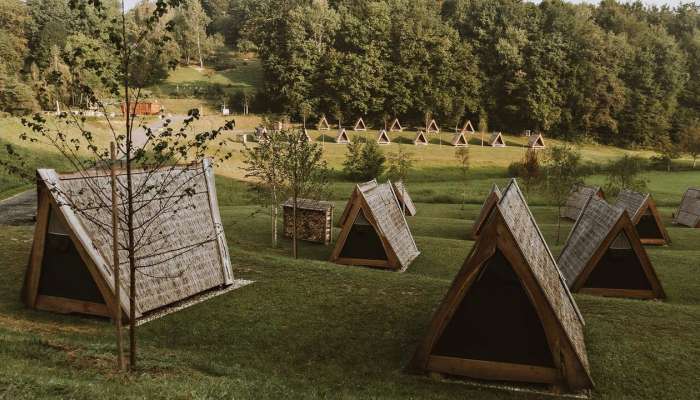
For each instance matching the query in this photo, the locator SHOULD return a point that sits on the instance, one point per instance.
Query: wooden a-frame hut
(459, 140)
(374, 231)
(420, 139)
(360, 125)
(71, 267)
(489, 204)
(496, 140)
(306, 135)
(645, 217)
(383, 138)
(688, 213)
(323, 124)
(536, 141)
(395, 126)
(404, 198)
(508, 315)
(578, 197)
(342, 137)
(432, 127)
(603, 255)
(467, 128)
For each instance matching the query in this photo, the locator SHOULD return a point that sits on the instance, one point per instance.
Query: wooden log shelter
(645, 217)
(578, 197)
(374, 231)
(404, 198)
(688, 213)
(342, 137)
(360, 125)
(490, 203)
(142, 108)
(496, 140)
(383, 138)
(420, 139)
(536, 141)
(71, 267)
(603, 255)
(314, 220)
(508, 315)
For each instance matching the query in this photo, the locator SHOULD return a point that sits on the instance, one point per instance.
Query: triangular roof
(376, 205)
(306, 134)
(536, 141)
(188, 259)
(467, 128)
(395, 126)
(323, 124)
(490, 203)
(688, 213)
(360, 125)
(404, 198)
(432, 127)
(604, 256)
(459, 140)
(642, 210)
(578, 197)
(383, 138)
(496, 140)
(510, 269)
(420, 139)
(342, 137)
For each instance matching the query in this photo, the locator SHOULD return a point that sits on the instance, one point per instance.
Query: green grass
(244, 75)
(310, 329)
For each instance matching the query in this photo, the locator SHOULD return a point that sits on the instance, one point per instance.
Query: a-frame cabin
(603, 255)
(536, 141)
(459, 140)
(374, 231)
(306, 136)
(383, 138)
(360, 125)
(71, 269)
(688, 213)
(467, 128)
(490, 203)
(396, 126)
(420, 139)
(323, 124)
(342, 137)
(496, 140)
(404, 198)
(432, 127)
(645, 217)
(508, 315)
(578, 197)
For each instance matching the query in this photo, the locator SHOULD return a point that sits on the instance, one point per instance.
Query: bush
(515, 169)
(364, 160)
(624, 174)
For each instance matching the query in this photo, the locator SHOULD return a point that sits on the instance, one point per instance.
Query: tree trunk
(274, 217)
(115, 259)
(694, 161)
(199, 50)
(294, 228)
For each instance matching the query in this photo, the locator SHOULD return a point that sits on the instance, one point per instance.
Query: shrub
(364, 160)
(624, 174)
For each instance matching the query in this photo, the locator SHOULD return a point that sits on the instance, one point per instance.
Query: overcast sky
(130, 3)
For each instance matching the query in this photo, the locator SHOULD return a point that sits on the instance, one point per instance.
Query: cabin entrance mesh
(496, 321)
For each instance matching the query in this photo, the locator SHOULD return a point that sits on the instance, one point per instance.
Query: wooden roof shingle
(578, 197)
(688, 213)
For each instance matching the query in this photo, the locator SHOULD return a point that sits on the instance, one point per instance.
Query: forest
(623, 74)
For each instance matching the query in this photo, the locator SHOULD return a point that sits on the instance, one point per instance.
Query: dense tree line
(615, 73)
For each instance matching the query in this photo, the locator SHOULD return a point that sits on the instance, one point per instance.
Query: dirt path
(19, 209)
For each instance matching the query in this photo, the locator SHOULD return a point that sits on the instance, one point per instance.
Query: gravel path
(19, 209)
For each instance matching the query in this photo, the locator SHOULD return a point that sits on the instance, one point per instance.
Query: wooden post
(115, 257)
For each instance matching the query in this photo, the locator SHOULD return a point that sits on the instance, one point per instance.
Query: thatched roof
(532, 245)
(379, 204)
(536, 141)
(404, 197)
(490, 202)
(631, 201)
(578, 197)
(308, 204)
(184, 252)
(689, 210)
(591, 228)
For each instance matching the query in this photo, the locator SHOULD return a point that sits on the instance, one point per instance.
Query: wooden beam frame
(490, 203)
(650, 205)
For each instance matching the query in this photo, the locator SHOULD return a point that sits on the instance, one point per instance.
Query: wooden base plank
(492, 370)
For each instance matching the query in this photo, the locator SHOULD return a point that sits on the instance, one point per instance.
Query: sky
(673, 3)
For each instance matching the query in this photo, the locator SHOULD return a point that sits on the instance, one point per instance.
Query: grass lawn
(310, 329)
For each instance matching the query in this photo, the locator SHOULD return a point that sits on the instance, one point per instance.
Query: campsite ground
(310, 329)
